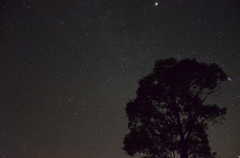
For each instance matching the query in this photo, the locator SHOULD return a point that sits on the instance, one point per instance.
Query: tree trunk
(184, 149)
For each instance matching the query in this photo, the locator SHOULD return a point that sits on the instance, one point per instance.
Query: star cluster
(68, 68)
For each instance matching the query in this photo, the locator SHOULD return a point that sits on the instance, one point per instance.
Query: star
(156, 4)
(229, 79)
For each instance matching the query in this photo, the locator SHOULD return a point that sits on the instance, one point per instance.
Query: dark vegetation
(169, 115)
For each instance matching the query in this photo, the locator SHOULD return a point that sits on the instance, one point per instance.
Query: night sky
(68, 68)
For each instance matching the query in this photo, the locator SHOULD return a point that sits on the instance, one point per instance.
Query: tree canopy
(169, 115)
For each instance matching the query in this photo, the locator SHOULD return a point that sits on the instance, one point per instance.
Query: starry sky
(68, 68)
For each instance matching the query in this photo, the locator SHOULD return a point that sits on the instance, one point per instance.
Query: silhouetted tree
(169, 115)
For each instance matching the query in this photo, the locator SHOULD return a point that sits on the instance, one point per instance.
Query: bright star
(156, 3)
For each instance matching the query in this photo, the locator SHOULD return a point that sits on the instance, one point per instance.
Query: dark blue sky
(68, 68)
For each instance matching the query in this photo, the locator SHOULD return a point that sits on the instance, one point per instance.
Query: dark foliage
(169, 115)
